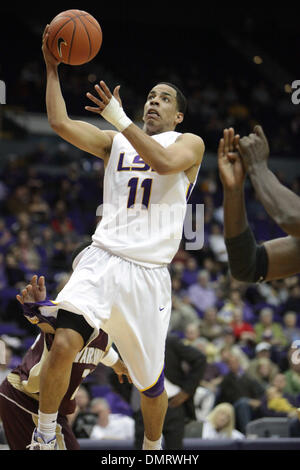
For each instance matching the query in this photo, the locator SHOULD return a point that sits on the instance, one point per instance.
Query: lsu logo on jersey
(138, 164)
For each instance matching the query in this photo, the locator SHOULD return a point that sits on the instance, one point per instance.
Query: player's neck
(149, 131)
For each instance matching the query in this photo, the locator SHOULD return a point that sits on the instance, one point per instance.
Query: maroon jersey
(26, 377)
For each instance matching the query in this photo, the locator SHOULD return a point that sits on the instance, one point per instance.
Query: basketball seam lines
(93, 24)
(86, 16)
(87, 36)
(59, 31)
(73, 34)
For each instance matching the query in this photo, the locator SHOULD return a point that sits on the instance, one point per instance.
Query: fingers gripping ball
(75, 37)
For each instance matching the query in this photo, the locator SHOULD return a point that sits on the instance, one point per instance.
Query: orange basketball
(75, 37)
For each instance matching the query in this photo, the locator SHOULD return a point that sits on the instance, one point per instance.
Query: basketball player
(274, 259)
(19, 392)
(122, 283)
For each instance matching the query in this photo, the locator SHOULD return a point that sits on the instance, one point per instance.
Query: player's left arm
(112, 359)
(185, 153)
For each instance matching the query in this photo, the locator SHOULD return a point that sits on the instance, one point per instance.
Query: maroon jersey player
(19, 392)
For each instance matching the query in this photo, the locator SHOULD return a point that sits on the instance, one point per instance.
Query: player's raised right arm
(81, 134)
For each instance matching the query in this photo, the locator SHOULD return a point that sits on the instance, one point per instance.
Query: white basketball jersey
(143, 212)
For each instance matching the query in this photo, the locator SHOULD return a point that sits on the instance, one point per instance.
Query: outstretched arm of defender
(79, 133)
(281, 203)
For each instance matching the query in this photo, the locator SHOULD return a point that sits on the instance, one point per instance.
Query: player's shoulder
(195, 144)
(193, 138)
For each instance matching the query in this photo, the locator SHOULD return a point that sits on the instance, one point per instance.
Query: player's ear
(179, 118)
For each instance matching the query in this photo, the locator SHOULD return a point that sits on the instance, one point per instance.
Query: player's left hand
(35, 291)
(231, 169)
(120, 369)
(254, 148)
(104, 96)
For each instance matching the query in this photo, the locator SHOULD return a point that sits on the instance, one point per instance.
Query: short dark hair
(180, 98)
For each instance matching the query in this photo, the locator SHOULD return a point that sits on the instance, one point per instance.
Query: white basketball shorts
(130, 302)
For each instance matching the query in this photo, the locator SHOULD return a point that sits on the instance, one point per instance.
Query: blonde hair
(227, 408)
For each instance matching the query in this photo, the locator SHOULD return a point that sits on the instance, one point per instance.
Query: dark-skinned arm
(282, 205)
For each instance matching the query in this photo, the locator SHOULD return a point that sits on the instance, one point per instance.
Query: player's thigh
(91, 288)
(139, 324)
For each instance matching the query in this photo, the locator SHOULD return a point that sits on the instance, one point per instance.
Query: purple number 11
(133, 185)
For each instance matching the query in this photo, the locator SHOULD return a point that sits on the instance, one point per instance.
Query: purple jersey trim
(156, 389)
(32, 312)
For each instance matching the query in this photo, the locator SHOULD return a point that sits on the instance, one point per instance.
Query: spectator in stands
(290, 329)
(274, 293)
(243, 331)
(206, 392)
(292, 374)
(27, 254)
(39, 209)
(242, 391)
(15, 275)
(46, 244)
(279, 383)
(278, 403)
(262, 352)
(6, 237)
(192, 335)
(293, 300)
(190, 272)
(217, 244)
(211, 326)
(235, 301)
(201, 294)
(22, 222)
(220, 423)
(82, 399)
(267, 325)
(263, 372)
(182, 314)
(110, 425)
(227, 344)
(19, 200)
(60, 221)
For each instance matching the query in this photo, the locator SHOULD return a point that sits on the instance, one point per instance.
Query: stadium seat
(268, 427)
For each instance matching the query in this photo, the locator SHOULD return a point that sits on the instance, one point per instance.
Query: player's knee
(66, 344)
(157, 389)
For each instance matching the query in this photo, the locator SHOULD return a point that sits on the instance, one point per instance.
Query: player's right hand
(33, 292)
(231, 169)
(120, 369)
(48, 56)
(254, 149)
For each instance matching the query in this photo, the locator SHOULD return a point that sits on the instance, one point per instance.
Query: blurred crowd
(244, 331)
(214, 103)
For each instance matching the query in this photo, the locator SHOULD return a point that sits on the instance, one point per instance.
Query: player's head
(164, 109)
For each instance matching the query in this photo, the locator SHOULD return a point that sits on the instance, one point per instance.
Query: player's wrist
(116, 115)
(111, 358)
